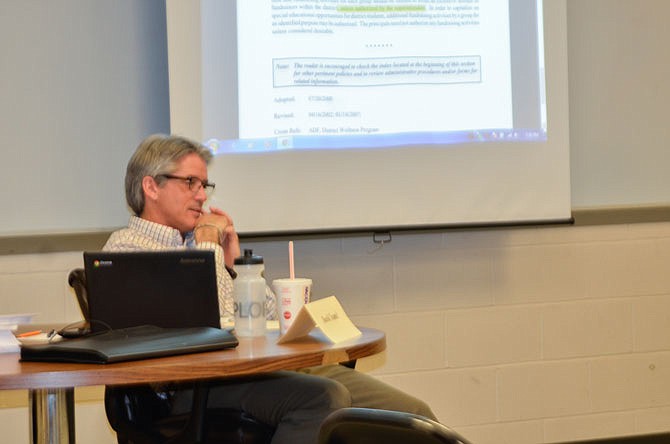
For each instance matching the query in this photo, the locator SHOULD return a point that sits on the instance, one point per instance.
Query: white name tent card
(326, 314)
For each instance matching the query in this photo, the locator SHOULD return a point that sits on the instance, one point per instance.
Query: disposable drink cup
(291, 294)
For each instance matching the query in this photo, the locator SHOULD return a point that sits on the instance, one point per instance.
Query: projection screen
(341, 115)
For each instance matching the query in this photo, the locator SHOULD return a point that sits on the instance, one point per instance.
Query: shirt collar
(163, 234)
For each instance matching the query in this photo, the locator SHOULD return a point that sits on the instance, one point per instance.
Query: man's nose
(200, 195)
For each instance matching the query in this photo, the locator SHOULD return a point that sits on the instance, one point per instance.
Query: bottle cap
(248, 258)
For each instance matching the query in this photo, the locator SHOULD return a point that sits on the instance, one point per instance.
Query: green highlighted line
(413, 8)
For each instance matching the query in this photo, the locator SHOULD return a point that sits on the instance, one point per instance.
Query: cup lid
(248, 258)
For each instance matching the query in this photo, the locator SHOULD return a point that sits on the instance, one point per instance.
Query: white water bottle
(249, 294)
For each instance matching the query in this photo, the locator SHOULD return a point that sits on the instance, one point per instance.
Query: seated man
(166, 188)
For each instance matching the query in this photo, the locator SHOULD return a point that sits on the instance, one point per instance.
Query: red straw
(291, 269)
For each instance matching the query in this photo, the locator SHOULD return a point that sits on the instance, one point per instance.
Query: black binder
(132, 343)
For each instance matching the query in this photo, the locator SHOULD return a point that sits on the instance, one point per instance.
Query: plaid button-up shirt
(142, 234)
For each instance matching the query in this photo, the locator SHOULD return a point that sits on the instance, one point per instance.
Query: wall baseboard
(50, 243)
(656, 438)
(629, 214)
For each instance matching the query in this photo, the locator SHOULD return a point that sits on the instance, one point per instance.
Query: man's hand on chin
(217, 226)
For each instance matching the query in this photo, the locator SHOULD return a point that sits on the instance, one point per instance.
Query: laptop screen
(174, 288)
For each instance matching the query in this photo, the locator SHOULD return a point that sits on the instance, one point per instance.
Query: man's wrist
(208, 233)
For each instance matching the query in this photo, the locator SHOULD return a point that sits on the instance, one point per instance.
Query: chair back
(77, 280)
(373, 426)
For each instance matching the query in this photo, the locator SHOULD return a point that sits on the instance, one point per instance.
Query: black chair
(140, 414)
(372, 426)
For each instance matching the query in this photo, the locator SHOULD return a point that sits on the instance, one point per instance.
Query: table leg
(52, 416)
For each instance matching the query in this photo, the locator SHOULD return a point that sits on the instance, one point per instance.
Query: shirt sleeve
(224, 281)
(226, 286)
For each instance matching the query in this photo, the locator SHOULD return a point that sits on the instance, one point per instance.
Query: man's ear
(150, 187)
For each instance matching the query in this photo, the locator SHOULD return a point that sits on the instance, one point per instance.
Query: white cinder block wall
(522, 335)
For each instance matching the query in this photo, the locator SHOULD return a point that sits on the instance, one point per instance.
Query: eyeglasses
(194, 183)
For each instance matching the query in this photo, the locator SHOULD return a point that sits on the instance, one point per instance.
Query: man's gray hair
(157, 154)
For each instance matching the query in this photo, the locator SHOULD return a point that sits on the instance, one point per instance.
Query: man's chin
(190, 223)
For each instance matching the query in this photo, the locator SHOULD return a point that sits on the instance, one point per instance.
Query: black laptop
(175, 288)
(144, 305)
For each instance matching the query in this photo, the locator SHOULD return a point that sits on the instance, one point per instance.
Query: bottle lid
(248, 258)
